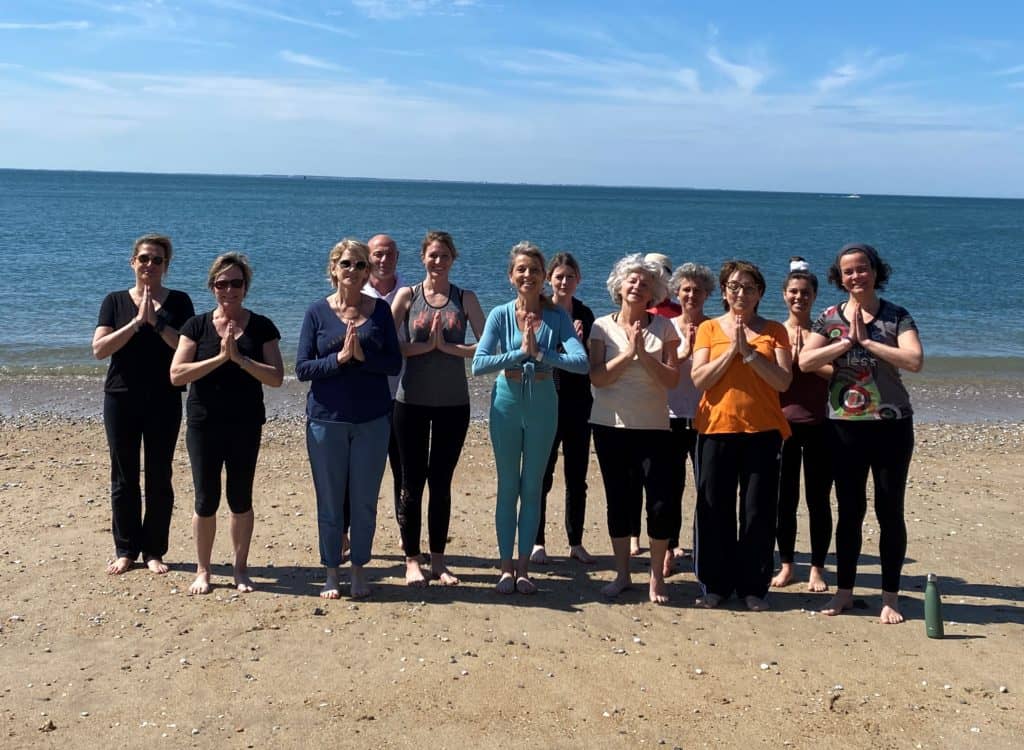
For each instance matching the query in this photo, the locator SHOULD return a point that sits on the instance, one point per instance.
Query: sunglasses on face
(144, 259)
(359, 265)
(225, 283)
(735, 288)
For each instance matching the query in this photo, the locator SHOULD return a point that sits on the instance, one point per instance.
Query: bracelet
(750, 357)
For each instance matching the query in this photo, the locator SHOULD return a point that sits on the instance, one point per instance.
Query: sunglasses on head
(225, 283)
(359, 265)
(145, 259)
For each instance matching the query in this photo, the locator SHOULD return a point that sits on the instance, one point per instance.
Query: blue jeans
(344, 455)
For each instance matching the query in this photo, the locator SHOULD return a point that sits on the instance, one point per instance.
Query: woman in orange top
(742, 362)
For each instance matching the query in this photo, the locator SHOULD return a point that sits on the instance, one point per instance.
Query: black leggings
(807, 445)
(884, 447)
(573, 433)
(683, 444)
(430, 440)
(724, 562)
(635, 462)
(131, 422)
(233, 448)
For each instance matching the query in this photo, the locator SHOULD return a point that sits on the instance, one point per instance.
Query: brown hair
(740, 266)
(530, 251)
(160, 240)
(438, 236)
(879, 266)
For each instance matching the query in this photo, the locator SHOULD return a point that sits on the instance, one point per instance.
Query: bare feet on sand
(842, 601)
(890, 614)
(414, 573)
(506, 584)
(202, 583)
(668, 566)
(119, 566)
(756, 603)
(579, 552)
(634, 546)
(658, 589)
(156, 565)
(709, 601)
(817, 582)
(784, 577)
(243, 582)
(539, 555)
(525, 586)
(332, 588)
(444, 576)
(617, 586)
(359, 589)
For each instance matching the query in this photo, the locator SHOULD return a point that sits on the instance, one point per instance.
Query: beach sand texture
(90, 660)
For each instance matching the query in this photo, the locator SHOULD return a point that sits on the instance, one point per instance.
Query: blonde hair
(224, 261)
(354, 247)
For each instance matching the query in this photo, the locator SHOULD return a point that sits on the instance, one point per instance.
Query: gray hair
(636, 263)
(694, 272)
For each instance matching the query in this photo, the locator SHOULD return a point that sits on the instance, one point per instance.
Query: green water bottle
(932, 609)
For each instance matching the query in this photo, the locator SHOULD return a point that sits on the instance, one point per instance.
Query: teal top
(500, 347)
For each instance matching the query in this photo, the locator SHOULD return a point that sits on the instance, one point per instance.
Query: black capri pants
(233, 448)
(634, 463)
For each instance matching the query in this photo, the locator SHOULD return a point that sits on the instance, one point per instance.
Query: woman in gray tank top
(432, 403)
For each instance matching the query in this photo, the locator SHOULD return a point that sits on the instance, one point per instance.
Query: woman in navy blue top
(347, 349)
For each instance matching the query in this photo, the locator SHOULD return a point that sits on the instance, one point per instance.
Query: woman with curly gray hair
(632, 367)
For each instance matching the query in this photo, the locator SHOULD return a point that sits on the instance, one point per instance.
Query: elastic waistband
(517, 375)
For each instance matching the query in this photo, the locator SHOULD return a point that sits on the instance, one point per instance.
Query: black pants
(634, 463)
(231, 448)
(884, 447)
(724, 562)
(808, 445)
(131, 422)
(395, 462)
(573, 434)
(683, 443)
(430, 440)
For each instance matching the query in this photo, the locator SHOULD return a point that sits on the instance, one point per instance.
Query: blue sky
(917, 98)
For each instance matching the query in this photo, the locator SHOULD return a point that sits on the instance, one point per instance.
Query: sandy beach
(99, 661)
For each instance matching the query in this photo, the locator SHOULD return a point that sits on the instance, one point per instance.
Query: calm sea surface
(65, 239)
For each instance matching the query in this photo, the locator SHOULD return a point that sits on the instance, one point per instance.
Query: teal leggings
(523, 422)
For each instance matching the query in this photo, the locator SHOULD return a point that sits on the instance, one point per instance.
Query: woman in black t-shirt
(138, 329)
(228, 355)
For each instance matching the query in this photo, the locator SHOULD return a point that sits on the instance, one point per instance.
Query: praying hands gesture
(740, 345)
(147, 310)
(530, 346)
(351, 348)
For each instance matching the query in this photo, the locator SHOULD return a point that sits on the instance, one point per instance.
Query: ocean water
(65, 239)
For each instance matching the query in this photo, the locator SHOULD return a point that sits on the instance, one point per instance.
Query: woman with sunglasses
(742, 362)
(432, 403)
(228, 355)
(138, 330)
(347, 349)
(868, 340)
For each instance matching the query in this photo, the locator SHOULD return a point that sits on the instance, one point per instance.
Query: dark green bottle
(932, 609)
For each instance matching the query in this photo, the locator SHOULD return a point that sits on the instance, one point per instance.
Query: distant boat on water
(853, 195)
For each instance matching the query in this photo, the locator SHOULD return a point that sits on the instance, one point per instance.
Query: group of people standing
(747, 400)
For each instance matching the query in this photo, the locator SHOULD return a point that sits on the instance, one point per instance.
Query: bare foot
(243, 582)
(331, 589)
(506, 584)
(539, 555)
(756, 603)
(709, 601)
(890, 614)
(658, 591)
(784, 577)
(445, 577)
(817, 582)
(119, 566)
(202, 583)
(579, 552)
(414, 573)
(843, 600)
(157, 565)
(525, 586)
(634, 546)
(680, 553)
(359, 589)
(617, 586)
(668, 566)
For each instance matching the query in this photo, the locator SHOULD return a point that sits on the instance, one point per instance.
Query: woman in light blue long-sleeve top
(523, 341)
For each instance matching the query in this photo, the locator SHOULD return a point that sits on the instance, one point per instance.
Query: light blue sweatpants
(354, 455)
(522, 427)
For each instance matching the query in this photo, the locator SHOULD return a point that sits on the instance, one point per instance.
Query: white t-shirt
(636, 400)
(389, 298)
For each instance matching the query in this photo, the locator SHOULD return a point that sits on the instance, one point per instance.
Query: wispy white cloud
(394, 10)
(52, 26)
(1014, 71)
(83, 83)
(262, 12)
(308, 61)
(868, 66)
(746, 77)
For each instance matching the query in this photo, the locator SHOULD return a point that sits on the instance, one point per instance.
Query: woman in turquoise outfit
(521, 342)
